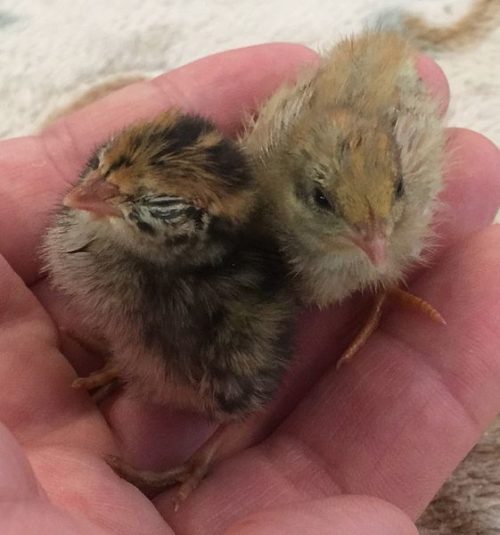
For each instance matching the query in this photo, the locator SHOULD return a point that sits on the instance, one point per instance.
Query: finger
(400, 417)
(75, 498)
(23, 503)
(35, 394)
(21, 517)
(471, 197)
(435, 80)
(36, 170)
(18, 481)
(62, 433)
(355, 515)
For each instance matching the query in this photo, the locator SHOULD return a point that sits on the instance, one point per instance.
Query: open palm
(355, 451)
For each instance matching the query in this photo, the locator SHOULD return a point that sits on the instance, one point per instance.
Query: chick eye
(399, 188)
(321, 200)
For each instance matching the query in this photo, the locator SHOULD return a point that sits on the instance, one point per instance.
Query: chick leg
(404, 298)
(200, 463)
(367, 330)
(189, 474)
(100, 378)
(91, 344)
(105, 381)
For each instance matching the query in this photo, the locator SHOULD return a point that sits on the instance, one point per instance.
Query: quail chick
(157, 246)
(349, 162)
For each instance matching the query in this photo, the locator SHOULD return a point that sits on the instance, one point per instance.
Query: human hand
(392, 424)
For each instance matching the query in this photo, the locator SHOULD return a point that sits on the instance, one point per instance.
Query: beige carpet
(51, 51)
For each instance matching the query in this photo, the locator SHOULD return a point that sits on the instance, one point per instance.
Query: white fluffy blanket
(51, 50)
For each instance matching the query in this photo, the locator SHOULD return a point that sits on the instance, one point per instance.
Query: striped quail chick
(157, 245)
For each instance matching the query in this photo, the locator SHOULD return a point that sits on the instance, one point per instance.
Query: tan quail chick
(349, 162)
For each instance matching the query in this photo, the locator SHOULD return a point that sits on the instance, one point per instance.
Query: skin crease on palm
(356, 451)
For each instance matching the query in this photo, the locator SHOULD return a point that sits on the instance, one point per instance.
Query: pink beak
(93, 195)
(373, 242)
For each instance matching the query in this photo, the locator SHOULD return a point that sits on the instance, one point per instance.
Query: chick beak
(373, 242)
(93, 195)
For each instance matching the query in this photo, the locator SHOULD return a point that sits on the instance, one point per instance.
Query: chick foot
(101, 378)
(189, 474)
(404, 298)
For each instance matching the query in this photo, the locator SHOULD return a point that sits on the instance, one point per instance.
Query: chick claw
(404, 298)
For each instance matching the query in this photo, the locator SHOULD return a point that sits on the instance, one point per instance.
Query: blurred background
(52, 51)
